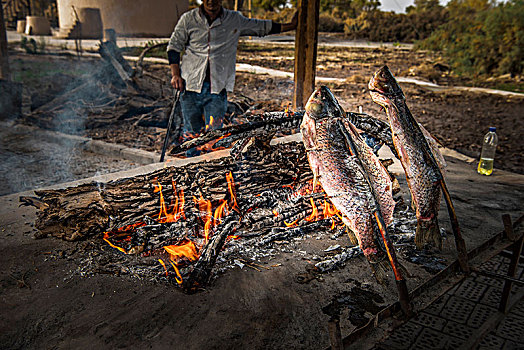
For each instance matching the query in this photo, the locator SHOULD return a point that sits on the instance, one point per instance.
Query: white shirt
(214, 44)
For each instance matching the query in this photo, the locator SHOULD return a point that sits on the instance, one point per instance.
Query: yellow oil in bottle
(485, 166)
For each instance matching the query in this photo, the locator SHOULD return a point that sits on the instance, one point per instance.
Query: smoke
(32, 157)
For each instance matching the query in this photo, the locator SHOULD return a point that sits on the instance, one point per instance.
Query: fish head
(322, 104)
(384, 87)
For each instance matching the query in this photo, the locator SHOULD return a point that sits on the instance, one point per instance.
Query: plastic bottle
(488, 152)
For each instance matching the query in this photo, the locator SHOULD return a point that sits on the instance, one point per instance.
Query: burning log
(201, 271)
(273, 122)
(89, 209)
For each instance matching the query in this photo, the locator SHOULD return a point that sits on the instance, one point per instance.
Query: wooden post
(5, 73)
(306, 40)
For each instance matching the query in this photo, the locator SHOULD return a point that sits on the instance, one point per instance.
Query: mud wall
(155, 18)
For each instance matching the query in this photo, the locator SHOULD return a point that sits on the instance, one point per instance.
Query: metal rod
(459, 241)
(508, 227)
(169, 124)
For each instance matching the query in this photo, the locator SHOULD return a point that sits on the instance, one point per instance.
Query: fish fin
(433, 146)
(380, 271)
(428, 232)
(352, 237)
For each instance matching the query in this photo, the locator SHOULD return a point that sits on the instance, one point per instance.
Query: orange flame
(205, 209)
(163, 264)
(121, 236)
(178, 276)
(178, 208)
(219, 212)
(330, 211)
(275, 212)
(162, 212)
(178, 252)
(291, 224)
(210, 125)
(106, 238)
(314, 212)
(231, 187)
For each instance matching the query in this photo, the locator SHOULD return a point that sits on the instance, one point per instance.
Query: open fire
(187, 248)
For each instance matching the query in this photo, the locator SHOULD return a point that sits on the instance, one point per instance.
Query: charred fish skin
(341, 174)
(422, 172)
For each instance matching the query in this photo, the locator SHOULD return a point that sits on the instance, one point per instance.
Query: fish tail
(428, 232)
(380, 270)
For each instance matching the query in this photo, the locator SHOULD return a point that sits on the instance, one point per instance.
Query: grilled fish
(417, 155)
(351, 175)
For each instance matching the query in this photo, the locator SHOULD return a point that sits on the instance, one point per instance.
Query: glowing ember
(210, 146)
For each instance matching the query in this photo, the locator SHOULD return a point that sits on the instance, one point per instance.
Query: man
(209, 35)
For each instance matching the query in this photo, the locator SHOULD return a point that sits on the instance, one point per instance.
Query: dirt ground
(46, 303)
(457, 118)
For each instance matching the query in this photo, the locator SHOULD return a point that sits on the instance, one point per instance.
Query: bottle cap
(492, 128)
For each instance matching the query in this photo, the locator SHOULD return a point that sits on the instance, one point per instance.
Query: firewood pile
(183, 224)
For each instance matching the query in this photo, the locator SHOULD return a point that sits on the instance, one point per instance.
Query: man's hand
(291, 25)
(176, 80)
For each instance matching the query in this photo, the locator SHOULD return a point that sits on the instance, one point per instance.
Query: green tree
(423, 6)
(482, 37)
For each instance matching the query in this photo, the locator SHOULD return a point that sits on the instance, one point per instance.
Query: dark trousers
(203, 109)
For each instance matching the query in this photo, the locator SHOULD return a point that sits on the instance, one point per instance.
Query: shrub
(482, 38)
(328, 23)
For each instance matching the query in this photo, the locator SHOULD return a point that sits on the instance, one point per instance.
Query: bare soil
(46, 303)
(457, 118)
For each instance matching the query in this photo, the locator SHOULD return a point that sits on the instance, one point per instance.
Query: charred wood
(201, 270)
(272, 122)
(280, 233)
